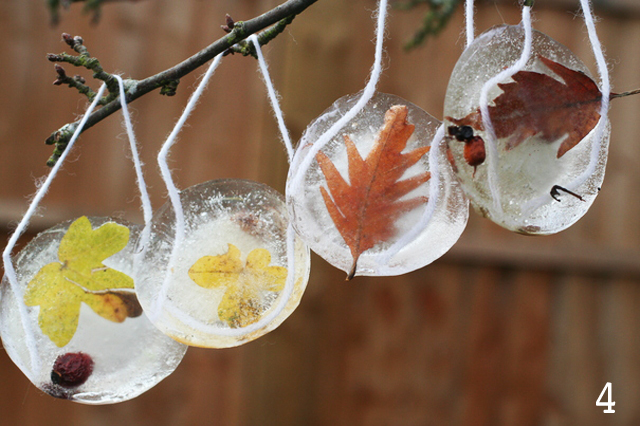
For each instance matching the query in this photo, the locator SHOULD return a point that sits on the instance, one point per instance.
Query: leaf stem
(100, 292)
(624, 94)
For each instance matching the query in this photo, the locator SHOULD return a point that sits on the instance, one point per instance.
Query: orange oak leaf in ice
(538, 104)
(365, 209)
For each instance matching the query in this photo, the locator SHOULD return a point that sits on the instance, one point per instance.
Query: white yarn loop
(605, 88)
(147, 210)
(289, 287)
(9, 269)
(301, 165)
(430, 208)
(173, 192)
(470, 27)
(273, 97)
(598, 132)
(491, 142)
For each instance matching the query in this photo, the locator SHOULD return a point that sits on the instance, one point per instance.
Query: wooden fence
(502, 330)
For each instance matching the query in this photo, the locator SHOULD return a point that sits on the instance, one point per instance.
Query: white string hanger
(434, 181)
(301, 165)
(286, 293)
(179, 212)
(491, 142)
(273, 97)
(284, 297)
(9, 269)
(605, 89)
(172, 190)
(470, 22)
(289, 287)
(147, 210)
(599, 130)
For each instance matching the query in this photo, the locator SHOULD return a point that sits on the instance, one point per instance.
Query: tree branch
(168, 79)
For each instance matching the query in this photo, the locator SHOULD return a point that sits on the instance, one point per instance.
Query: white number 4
(609, 403)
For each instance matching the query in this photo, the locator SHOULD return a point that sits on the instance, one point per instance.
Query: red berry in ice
(71, 369)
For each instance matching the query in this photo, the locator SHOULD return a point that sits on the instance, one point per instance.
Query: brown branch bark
(169, 78)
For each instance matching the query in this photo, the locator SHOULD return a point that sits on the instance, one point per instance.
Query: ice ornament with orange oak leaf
(380, 198)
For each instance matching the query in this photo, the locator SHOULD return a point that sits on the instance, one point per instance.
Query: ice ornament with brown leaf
(370, 203)
(545, 175)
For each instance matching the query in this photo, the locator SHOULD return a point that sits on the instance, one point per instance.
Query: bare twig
(245, 48)
(85, 60)
(76, 82)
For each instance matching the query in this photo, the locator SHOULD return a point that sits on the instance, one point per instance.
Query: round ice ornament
(380, 198)
(537, 164)
(88, 340)
(230, 282)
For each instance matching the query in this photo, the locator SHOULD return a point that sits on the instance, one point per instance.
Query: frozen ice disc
(232, 271)
(85, 338)
(545, 175)
(375, 199)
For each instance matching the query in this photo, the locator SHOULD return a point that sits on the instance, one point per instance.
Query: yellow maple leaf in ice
(242, 303)
(59, 288)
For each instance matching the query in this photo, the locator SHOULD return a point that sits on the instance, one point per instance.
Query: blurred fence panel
(503, 330)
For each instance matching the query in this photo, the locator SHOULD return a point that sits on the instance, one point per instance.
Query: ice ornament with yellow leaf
(231, 279)
(77, 330)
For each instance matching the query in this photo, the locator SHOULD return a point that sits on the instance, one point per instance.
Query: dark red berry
(72, 369)
(474, 152)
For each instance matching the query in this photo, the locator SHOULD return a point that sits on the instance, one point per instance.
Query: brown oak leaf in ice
(365, 209)
(538, 104)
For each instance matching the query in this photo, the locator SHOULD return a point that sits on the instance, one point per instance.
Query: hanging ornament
(85, 338)
(380, 197)
(220, 264)
(533, 162)
(229, 282)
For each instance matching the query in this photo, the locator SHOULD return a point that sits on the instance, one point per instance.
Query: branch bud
(68, 39)
(61, 72)
(229, 24)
